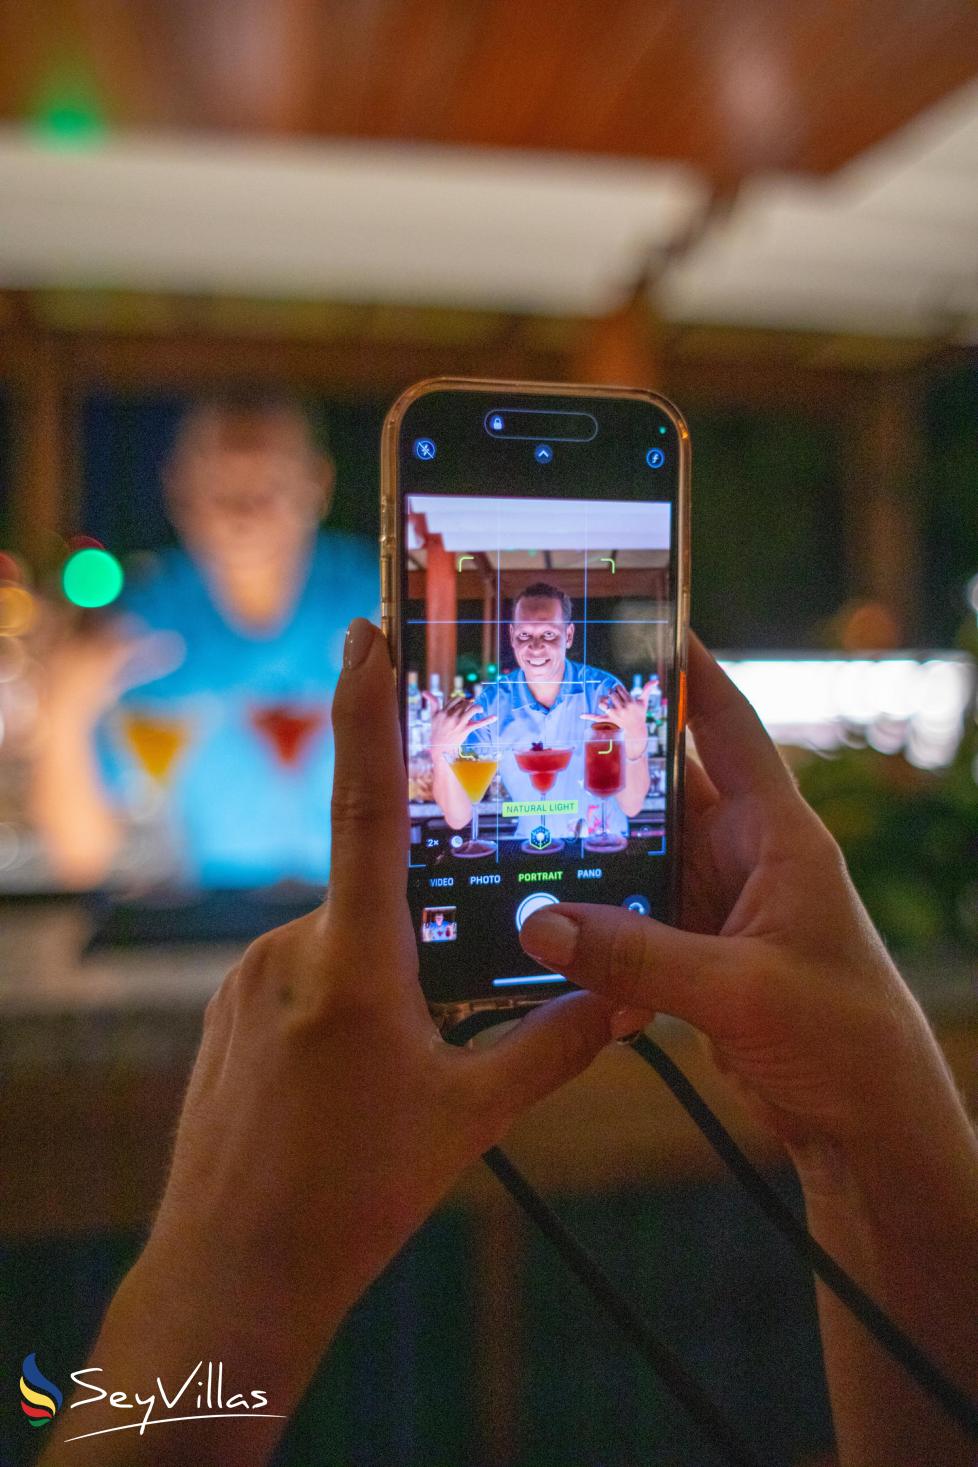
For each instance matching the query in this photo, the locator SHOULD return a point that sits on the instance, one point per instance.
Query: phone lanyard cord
(899, 1345)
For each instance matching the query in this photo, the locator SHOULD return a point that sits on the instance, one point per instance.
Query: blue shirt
(521, 721)
(242, 815)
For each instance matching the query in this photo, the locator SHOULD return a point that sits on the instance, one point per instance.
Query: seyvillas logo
(39, 1397)
(155, 1407)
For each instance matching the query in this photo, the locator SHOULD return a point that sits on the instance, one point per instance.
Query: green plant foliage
(909, 836)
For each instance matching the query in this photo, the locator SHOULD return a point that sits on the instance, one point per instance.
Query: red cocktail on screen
(543, 766)
(604, 776)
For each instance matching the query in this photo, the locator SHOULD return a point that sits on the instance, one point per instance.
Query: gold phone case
(448, 1016)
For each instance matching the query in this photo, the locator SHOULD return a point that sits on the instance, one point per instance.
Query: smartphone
(535, 585)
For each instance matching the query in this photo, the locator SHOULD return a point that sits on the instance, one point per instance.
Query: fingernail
(359, 640)
(624, 1025)
(551, 938)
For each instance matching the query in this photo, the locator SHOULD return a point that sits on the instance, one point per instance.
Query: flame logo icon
(39, 1397)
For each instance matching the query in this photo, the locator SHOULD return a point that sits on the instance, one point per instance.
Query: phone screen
(539, 551)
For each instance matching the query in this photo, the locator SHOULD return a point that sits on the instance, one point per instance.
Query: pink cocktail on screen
(543, 766)
(604, 776)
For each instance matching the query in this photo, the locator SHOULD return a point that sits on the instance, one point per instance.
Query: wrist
(215, 1303)
(898, 1178)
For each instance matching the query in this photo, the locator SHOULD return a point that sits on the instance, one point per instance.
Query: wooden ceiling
(731, 86)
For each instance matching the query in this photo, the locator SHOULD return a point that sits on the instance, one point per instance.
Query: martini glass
(604, 776)
(287, 729)
(543, 766)
(157, 740)
(158, 737)
(474, 769)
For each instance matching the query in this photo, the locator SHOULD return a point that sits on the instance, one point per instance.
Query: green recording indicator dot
(662, 427)
(490, 668)
(92, 578)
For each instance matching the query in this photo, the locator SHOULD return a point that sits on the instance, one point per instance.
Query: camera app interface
(538, 642)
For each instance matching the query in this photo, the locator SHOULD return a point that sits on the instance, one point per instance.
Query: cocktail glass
(287, 729)
(157, 740)
(604, 776)
(543, 766)
(158, 736)
(474, 769)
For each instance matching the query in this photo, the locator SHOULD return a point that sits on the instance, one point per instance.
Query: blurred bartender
(237, 639)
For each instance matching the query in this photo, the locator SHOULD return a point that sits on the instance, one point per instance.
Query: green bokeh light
(67, 111)
(92, 578)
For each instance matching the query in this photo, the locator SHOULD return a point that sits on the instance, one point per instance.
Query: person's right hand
(779, 966)
(451, 725)
(87, 671)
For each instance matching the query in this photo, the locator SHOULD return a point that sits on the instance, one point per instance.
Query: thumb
(555, 1042)
(369, 813)
(634, 961)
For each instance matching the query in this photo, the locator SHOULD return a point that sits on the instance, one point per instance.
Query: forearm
(72, 815)
(636, 788)
(218, 1358)
(902, 1218)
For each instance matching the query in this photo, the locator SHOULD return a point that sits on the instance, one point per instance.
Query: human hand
(780, 966)
(326, 1116)
(86, 672)
(626, 713)
(451, 725)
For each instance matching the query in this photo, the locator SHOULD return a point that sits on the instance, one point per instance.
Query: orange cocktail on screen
(474, 770)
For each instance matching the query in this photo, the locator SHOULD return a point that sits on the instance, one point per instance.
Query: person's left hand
(326, 1116)
(627, 713)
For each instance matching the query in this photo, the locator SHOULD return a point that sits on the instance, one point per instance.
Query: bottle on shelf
(414, 707)
(458, 688)
(435, 691)
(653, 714)
(637, 686)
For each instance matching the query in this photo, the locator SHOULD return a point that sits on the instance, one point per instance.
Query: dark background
(400, 1386)
(769, 560)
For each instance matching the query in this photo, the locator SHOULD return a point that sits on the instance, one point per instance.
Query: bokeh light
(17, 611)
(92, 578)
(67, 111)
(10, 567)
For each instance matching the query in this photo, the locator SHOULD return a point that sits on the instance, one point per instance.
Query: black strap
(917, 1364)
(701, 1408)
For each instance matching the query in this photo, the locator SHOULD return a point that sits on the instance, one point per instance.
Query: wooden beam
(470, 586)
(883, 461)
(441, 610)
(44, 464)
